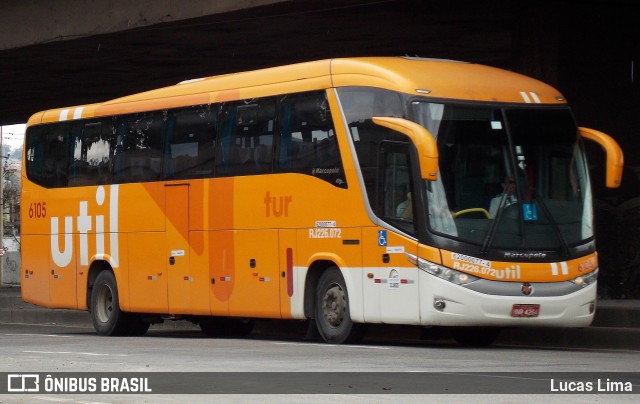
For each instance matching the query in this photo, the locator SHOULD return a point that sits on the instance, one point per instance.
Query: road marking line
(74, 353)
(50, 325)
(332, 345)
(38, 335)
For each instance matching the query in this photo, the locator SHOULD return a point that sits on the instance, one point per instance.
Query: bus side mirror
(615, 159)
(421, 138)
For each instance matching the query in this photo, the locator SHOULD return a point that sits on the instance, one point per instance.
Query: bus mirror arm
(615, 159)
(423, 140)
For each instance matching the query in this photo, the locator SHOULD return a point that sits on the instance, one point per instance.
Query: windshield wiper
(494, 226)
(554, 224)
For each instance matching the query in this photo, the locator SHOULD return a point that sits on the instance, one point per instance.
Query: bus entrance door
(177, 248)
(390, 281)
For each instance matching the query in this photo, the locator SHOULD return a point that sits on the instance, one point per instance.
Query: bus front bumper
(446, 304)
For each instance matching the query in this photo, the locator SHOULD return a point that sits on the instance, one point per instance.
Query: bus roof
(439, 79)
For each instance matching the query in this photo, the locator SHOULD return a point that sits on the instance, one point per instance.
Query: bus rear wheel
(332, 310)
(106, 315)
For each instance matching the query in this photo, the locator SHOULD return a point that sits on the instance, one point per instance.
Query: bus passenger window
(91, 153)
(246, 140)
(46, 147)
(138, 151)
(307, 143)
(190, 134)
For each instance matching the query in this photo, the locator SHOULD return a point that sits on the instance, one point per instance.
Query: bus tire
(332, 310)
(106, 315)
(475, 336)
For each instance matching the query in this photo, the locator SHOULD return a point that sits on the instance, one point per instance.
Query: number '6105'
(38, 210)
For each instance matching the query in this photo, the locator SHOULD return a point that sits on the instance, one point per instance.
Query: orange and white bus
(345, 191)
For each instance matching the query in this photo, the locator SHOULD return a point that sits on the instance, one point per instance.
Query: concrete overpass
(67, 52)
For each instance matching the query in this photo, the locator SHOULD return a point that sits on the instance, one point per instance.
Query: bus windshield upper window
(508, 178)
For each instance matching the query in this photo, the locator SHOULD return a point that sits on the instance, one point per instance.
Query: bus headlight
(448, 274)
(585, 280)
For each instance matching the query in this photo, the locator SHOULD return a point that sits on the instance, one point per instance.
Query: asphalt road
(60, 348)
(31, 348)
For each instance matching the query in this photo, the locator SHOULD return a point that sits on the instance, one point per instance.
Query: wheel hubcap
(334, 305)
(104, 303)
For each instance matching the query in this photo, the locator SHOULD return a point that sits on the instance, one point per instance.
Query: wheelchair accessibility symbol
(382, 238)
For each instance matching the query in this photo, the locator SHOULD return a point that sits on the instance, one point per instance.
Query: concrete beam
(30, 22)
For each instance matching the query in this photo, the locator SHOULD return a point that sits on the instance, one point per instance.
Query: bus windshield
(510, 177)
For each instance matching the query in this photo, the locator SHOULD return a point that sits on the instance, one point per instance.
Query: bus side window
(190, 146)
(246, 140)
(46, 147)
(307, 143)
(91, 153)
(138, 155)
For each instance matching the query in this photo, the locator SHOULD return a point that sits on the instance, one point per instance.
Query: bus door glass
(391, 294)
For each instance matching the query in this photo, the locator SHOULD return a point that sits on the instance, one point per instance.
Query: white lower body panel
(464, 307)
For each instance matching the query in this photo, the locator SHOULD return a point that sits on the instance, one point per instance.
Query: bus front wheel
(105, 307)
(332, 310)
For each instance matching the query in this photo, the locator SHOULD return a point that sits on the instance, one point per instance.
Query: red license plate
(525, 310)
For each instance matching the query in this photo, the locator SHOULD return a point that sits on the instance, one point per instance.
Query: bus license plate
(525, 310)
